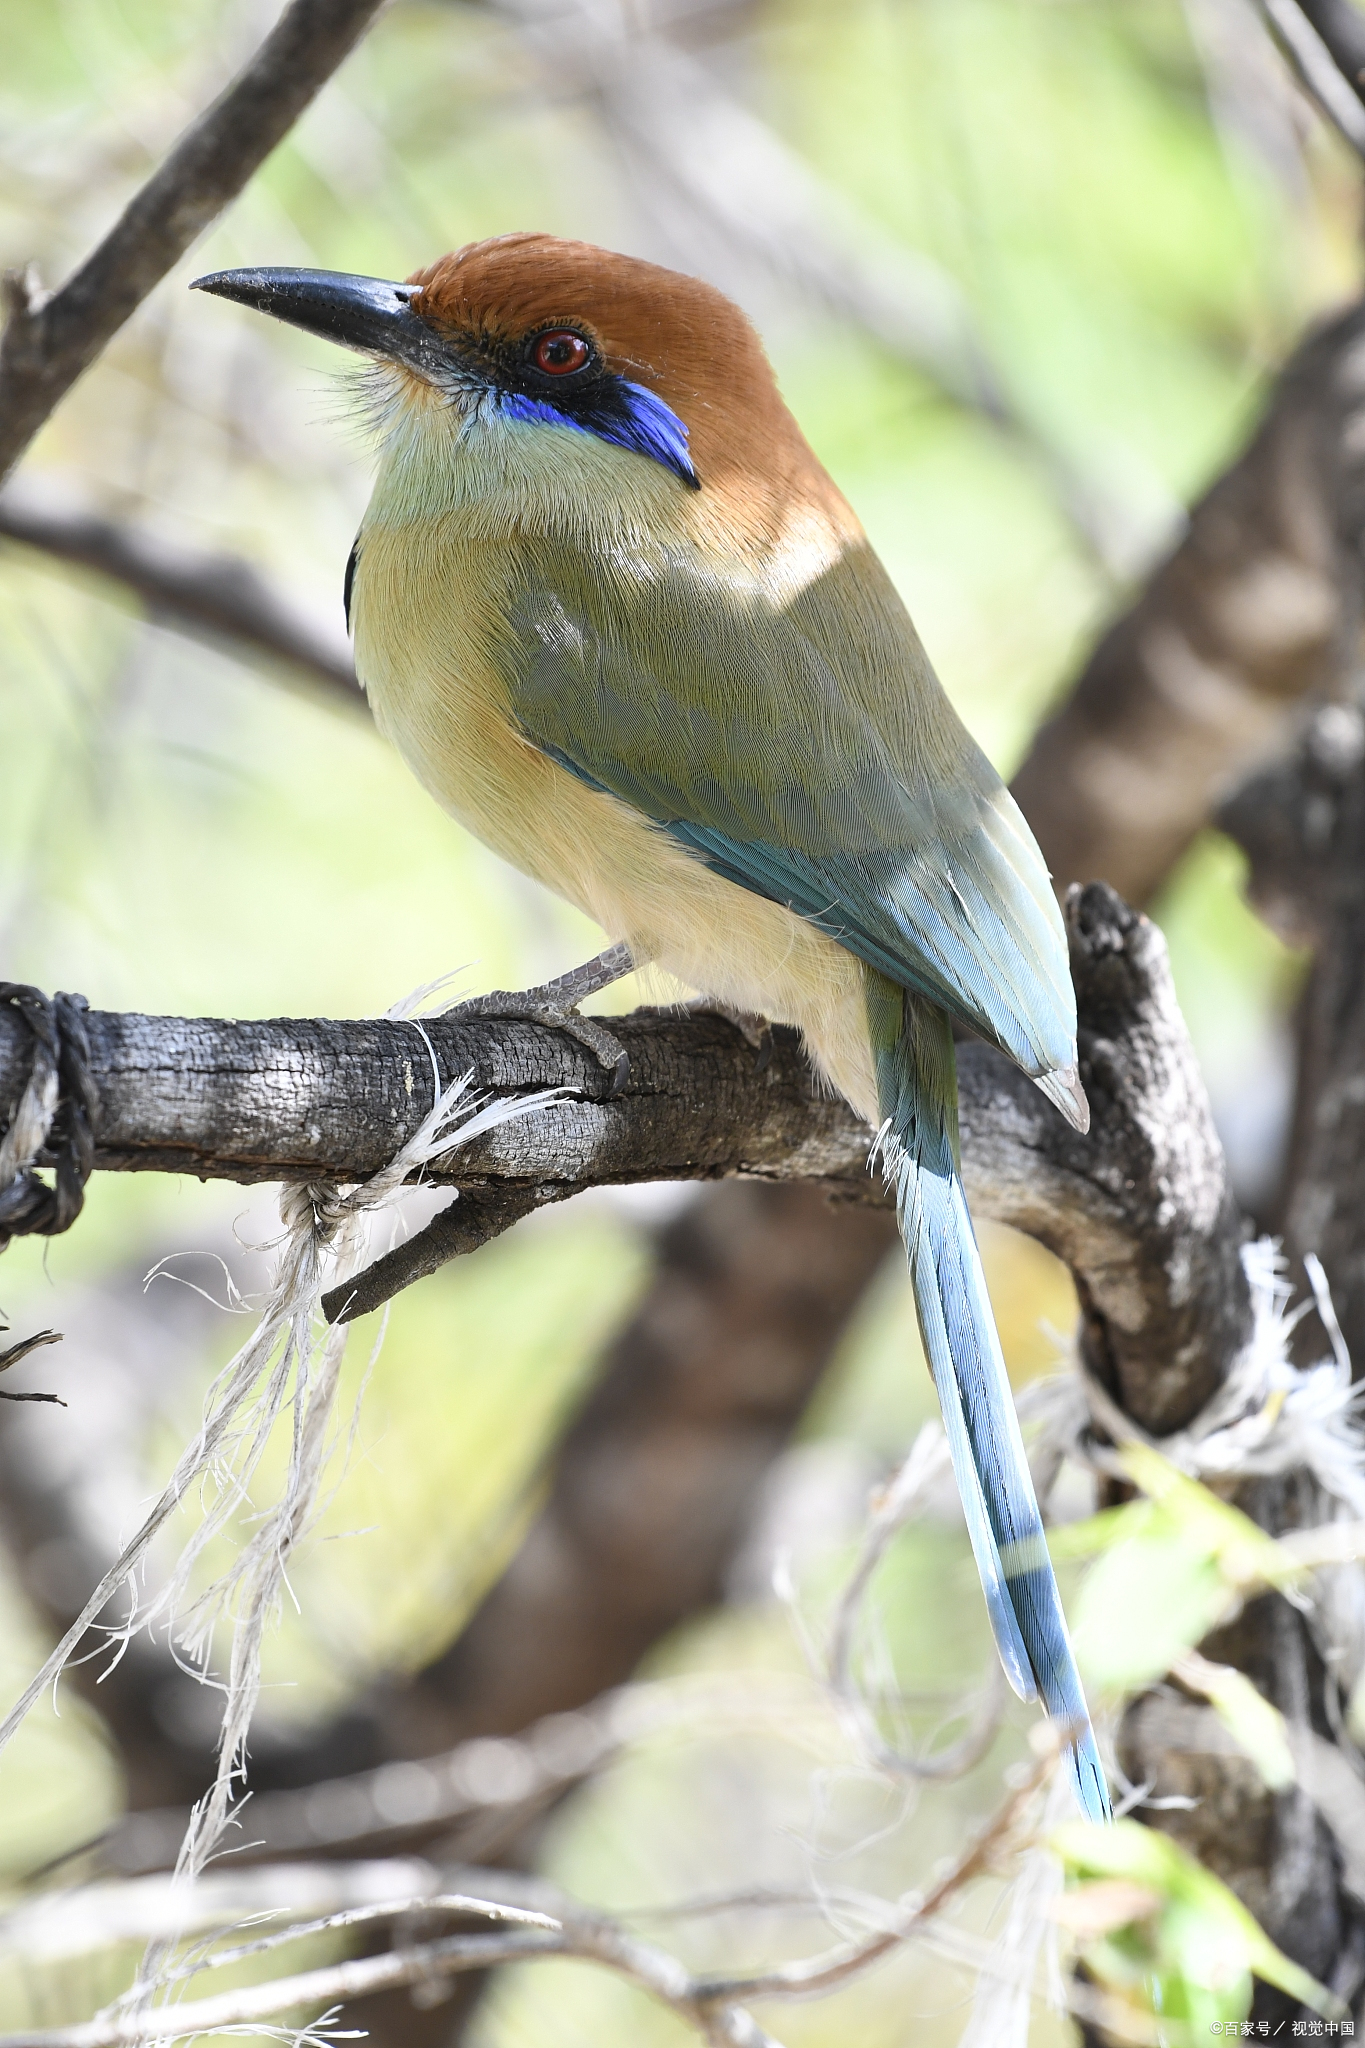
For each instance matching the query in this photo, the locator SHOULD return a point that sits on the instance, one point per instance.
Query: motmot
(624, 627)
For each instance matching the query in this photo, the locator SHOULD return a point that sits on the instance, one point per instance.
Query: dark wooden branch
(215, 596)
(1163, 1296)
(1302, 826)
(1140, 1209)
(309, 1099)
(49, 341)
(1201, 679)
(1341, 28)
(1315, 64)
(1301, 823)
(1273, 1848)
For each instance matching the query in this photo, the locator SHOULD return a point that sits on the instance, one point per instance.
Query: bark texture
(1302, 826)
(1274, 1849)
(1162, 1323)
(1139, 1209)
(654, 1481)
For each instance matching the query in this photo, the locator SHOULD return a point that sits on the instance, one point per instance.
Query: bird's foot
(555, 1003)
(755, 1030)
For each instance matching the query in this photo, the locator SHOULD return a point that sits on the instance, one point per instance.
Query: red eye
(560, 352)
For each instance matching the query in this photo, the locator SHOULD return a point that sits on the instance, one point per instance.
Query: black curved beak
(365, 313)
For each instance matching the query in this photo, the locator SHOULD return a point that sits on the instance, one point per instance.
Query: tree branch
(49, 341)
(1140, 1210)
(214, 596)
(1315, 62)
(1164, 1299)
(1302, 826)
(1342, 30)
(309, 1099)
(710, 2005)
(485, 1786)
(589, 1936)
(827, 1972)
(1196, 684)
(469, 1799)
(723, 183)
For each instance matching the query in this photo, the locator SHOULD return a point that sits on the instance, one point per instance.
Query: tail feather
(963, 1350)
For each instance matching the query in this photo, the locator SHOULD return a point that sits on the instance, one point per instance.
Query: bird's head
(530, 329)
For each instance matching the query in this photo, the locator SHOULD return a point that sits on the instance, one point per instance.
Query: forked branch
(1140, 1209)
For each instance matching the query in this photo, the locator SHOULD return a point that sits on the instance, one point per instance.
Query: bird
(624, 627)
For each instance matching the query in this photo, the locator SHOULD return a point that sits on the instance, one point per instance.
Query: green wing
(805, 750)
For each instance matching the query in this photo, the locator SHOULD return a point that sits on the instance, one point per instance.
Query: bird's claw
(555, 1004)
(546, 1006)
(756, 1031)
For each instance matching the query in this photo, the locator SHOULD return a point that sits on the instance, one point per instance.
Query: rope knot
(318, 1206)
(53, 1123)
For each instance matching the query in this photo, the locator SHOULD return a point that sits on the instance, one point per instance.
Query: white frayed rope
(1268, 1417)
(286, 1363)
(1007, 1992)
(27, 1133)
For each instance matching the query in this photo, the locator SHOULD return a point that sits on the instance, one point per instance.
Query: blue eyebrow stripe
(634, 417)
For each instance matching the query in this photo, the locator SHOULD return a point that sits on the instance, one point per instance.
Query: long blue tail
(917, 1084)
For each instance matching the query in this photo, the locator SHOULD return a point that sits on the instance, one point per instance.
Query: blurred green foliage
(1177, 1944)
(1174, 1565)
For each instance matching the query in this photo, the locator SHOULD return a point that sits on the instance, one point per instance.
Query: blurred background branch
(1205, 674)
(1320, 52)
(216, 596)
(50, 338)
(1340, 28)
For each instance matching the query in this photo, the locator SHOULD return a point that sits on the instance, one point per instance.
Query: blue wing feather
(902, 930)
(755, 734)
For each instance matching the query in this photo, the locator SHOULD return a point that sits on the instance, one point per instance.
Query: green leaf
(1142, 1605)
(1246, 1556)
(1254, 1724)
(1100, 1531)
(1194, 1959)
(1172, 1566)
